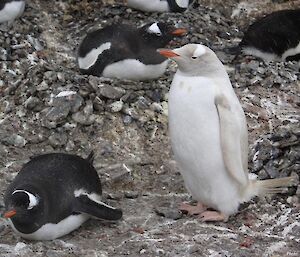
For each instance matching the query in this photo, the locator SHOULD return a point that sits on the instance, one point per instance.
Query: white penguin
(209, 138)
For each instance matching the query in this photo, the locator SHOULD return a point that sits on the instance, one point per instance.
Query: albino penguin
(209, 138)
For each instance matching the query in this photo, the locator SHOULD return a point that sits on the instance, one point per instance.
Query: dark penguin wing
(100, 210)
(274, 33)
(117, 41)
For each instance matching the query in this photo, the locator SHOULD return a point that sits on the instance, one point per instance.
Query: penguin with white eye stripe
(160, 5)
(54, 194)
(125, 52)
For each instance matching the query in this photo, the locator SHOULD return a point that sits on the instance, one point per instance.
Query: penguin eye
(194, 57)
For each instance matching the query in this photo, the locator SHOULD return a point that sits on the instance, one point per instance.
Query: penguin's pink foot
(212, 216)
(192, 209)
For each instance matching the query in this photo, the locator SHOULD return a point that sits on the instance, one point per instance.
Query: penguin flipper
(97, 209)
(231, 141)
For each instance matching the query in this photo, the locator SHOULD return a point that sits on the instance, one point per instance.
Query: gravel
(46, 105)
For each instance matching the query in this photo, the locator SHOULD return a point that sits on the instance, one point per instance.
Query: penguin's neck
(216, 70)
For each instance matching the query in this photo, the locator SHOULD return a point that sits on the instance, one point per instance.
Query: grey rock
(15, 140)
(2, 227)
(98, 104)
(42, 86)
(298, 191)
(156, 107)
(32, 102)
(82, 118)
(74, 102)
(58, 114)
(142, 103)
(3, 54)
(131, 194)
(88, 109)
(111, 92)
(169, 213)
(127, 119)
(116, 106)
(58, 139)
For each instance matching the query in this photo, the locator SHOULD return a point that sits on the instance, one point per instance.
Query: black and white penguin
(160, 5)
(275, 37)
(10, 10)
(54, 194)
(125, 52)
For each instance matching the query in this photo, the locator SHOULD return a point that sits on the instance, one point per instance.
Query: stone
(170, 213)
(131, 194)
(111, 92)
(116, 106)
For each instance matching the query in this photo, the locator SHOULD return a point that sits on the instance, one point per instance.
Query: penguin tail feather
(268, 186)
(91, 157)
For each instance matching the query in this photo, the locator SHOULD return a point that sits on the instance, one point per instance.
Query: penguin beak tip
(179, 32)
(9, 214)
(167, 53)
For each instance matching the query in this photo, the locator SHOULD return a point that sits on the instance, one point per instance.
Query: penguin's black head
(159, 34)
(21, 206)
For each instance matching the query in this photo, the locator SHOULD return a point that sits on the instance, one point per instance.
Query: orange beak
(9, 214)
(179, 32)
(167, 53)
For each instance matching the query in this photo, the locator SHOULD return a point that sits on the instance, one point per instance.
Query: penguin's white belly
(149, 6)
(195, 137)
(134, 70)
(291, 52)
(268, 57)
(51, 231)
(12, 11)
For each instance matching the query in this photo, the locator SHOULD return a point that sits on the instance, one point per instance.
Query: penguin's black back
(114, 34)
(55, 177)
(275, 33)
(127, 42)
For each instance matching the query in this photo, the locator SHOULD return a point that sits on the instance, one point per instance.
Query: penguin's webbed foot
(212, 216)
(192, 209)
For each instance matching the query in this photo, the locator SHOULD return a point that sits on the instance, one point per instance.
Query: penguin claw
(212, 216)
(192, 209)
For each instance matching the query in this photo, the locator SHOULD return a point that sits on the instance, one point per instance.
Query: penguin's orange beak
(179, 32)
(167, 53)
(9, 214)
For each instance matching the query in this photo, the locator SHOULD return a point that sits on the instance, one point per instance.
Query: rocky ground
(125, 123)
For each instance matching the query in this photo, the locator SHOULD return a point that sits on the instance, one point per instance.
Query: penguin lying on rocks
(125, 52)
(54, 194)
(275, 37)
